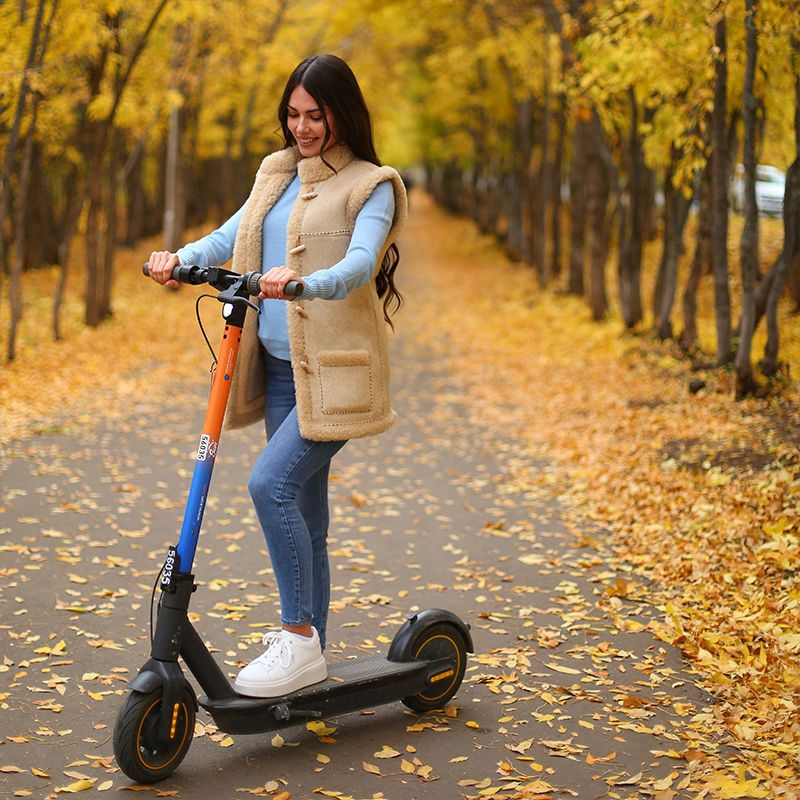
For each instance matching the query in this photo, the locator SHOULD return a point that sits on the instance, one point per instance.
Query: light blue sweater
(355, 269)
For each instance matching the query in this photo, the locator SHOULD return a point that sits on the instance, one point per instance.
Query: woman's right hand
(273, 282)
(160, 266)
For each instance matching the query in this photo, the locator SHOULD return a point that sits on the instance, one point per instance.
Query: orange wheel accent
(437, 642)
(138, 747)
(178, 748)
(432, 698)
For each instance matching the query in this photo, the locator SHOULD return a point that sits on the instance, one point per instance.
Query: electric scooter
(423, 668)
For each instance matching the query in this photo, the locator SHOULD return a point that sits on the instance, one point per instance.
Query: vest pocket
(345, 381)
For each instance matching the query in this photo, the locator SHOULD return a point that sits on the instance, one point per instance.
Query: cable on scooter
(203, 330)
(152, 601)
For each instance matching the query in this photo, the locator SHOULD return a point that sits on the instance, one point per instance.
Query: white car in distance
(770, 188)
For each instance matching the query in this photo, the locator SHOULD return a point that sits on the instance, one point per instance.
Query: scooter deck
(350, 686)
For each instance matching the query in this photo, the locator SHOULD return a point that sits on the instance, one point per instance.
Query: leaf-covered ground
(701, 494)
(551, 480)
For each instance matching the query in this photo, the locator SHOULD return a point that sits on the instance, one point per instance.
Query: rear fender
(400, 648)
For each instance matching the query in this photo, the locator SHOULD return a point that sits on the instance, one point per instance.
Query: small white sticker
(205, 446)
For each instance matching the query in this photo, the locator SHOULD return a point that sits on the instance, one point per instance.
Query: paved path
(566, 694)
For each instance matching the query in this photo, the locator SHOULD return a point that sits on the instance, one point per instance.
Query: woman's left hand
(273, 281)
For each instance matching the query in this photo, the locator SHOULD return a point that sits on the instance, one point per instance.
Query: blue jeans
(289, 487)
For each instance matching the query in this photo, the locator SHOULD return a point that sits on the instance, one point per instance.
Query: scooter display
(423, 668)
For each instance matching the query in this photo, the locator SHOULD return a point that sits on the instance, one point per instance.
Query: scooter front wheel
(141, 751)
(438, 641)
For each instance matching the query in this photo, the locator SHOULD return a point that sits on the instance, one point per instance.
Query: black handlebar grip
(292, 288)
(175, 271)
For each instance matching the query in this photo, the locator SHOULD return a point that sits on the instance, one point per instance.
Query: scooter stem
(209, 438)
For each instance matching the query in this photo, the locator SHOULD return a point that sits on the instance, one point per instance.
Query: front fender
(146, 682)
(165, 676)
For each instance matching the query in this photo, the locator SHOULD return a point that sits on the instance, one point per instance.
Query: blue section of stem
(193, 517)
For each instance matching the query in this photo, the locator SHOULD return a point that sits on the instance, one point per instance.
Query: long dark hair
(332, 84)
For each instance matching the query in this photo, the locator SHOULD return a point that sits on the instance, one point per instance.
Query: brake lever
(230, 295)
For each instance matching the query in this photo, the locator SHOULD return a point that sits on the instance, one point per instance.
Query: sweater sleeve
(371, 228)
(214, 249)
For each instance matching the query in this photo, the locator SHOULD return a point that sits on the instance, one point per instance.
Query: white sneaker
(290, 662)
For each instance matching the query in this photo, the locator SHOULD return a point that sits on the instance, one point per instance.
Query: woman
(322, 211)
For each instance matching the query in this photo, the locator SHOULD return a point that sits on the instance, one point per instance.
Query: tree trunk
(484, 174)
(788, 262)
(577, 207)
(171, 179)
(765, 287)
(493, 192)
(781, 265)
(629, 264)
(15, 278)
(555, 188)
(748, 252)
(228, 171)
(676, 210)
(111, 215)
(12, 141)
(42, 229)
(75, 200)
(789, 259)
(196, 202)
(719, 195)
(72, 215)
(794, 270)
(452, 186)
(174, 214)
(479, 189)
(35, 57)
(599, 179)
(107, 239)
(539, 223)
(701, 262)
(135, 201)
(96, 185)
(650, 214)
(517, 243)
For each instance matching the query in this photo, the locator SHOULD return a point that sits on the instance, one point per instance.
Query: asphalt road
(567, 693)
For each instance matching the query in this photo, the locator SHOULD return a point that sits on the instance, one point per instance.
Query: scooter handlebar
(196, 275)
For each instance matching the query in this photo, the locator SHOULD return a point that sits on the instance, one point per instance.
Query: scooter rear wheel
(139, 749)
(440, 640)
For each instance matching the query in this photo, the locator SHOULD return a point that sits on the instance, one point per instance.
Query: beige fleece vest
(339, 348)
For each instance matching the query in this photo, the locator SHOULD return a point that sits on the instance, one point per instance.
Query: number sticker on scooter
(170, 568)
(207, 448)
